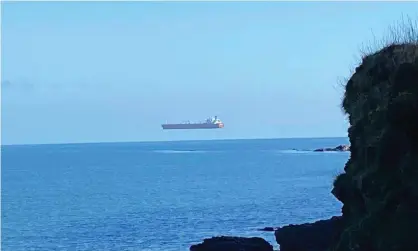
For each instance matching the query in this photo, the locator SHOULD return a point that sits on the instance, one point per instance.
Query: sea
(162, 195)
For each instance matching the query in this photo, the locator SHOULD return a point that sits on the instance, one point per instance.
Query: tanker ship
(210, 123)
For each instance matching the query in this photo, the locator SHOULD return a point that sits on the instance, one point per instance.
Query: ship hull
(191, 126)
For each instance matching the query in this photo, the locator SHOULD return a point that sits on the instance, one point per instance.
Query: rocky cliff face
(379, 186)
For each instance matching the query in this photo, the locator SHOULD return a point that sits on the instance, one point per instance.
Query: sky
(115, 71)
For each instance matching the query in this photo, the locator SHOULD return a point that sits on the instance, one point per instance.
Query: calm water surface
(161, 196)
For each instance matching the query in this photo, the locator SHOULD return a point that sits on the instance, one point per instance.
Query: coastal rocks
(340, 148)
(267, 229)
(317, 236)
(227, 243)
(379, 185)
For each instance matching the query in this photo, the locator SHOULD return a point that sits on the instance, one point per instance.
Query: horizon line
(166, 141)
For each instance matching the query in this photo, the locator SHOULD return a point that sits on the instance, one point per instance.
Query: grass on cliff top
(403, 32)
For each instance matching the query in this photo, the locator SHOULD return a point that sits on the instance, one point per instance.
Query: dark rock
(340, 148)
(379, 185)
(317, 236)
(228, 243)
(267, 229)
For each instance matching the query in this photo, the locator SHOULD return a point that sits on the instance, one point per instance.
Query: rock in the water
(343, 148)
(340, 148)
(267, 229)
(317, 236)
(227, 243)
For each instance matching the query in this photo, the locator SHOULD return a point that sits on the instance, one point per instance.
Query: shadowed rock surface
(379, 186)
(224, 243)
(267, 229)
(317, 236)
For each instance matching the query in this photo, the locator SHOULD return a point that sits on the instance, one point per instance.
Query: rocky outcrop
(225, 243)
(267, 229)
(317, 236)
(379, 186)
(340, 148)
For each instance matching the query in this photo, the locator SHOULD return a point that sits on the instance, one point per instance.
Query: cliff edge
(379, 185)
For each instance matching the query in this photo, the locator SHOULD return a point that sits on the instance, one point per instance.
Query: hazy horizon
(172, 141)
(115, 71)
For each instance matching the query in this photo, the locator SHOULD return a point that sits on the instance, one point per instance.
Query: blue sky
(114, 71)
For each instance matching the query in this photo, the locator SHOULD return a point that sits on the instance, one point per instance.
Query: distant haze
(114, 71)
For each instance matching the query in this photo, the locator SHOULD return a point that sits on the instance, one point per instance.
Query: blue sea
(161, 195)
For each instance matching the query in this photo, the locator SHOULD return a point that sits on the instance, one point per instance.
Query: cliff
(379, 186)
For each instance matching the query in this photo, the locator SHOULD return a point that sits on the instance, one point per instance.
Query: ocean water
(162, 195)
